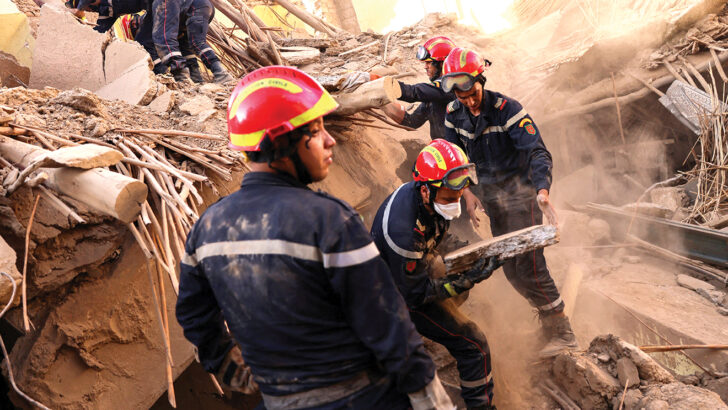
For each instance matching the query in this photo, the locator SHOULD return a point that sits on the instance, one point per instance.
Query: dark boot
(558, 332)
(220, 73)
(195, 74)
(181, 74)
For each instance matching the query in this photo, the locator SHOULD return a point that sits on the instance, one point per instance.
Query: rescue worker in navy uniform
(168, 15)
(294, 272)
(139, 28)
(514, 169)
(409, 225)
(433, 100)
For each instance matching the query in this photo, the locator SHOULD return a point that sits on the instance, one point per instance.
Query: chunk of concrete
(672, 198)
(163, 103)
(719, 386)
(15, 36)
(137, 85)
(693, 283)
(627, 373)
(648, 209)
(12, 74)
(196, 105)
(7, 264)
(590, 386)
(67, 53)
(120, 55)
(599, 231)
(81, 100)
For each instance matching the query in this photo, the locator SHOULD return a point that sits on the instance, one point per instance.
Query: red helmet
(461, 68)
(442, 163)
(435, 49)
(272, 101)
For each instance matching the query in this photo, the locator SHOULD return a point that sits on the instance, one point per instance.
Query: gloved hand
(455, 284)
(235, 374)
(431, 397)
(483, 269)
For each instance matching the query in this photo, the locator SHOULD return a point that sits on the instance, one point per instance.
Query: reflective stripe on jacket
(295, 275)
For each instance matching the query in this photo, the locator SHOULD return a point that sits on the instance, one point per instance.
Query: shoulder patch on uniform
(410, 266)
(502, 105)
(527, 125)
(437, 83)
(451, 106)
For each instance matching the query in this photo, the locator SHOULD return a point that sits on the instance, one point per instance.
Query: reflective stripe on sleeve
(448, 124)
(516, 118)
(493, 128)
(350, 258)
(285, 248)
(385, 229)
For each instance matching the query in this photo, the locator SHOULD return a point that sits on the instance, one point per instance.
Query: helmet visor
(460, 177)
(461, 81)
(422, 53)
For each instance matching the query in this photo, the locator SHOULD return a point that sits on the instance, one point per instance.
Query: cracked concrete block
(15, 36)
(196, 105)
(163, 103)
(627, 373)
(120, 55)
(693, 283)
(12, 74)
(137, 85)
(67, 53)
(7, 264)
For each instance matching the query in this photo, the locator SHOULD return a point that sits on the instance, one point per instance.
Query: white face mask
(448, 211)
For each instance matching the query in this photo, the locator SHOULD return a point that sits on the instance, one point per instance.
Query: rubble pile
(614, 374)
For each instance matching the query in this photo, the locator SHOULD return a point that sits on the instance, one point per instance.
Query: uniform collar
(269, 178)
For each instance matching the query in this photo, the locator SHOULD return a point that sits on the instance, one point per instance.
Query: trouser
(443, 323)
(527, 272)
(377, 393)
(195, 15)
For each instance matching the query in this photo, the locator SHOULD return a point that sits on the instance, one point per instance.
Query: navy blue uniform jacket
(432, 108)
(504, 144)
(300, 283)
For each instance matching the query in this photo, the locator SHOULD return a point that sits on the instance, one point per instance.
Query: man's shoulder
(502, 103)
(453, 107)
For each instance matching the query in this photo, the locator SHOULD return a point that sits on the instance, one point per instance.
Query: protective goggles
(460, 177)
(422, 53)
(461, 81)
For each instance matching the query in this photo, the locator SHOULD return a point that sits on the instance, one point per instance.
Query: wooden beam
(504, 247)
(306, 17)
(107, 192)
(373, 94)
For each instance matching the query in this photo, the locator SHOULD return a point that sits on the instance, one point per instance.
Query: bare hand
(547, 208)
(472, 204)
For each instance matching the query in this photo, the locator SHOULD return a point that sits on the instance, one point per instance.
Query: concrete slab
(137, 85)
(120, 55)
(12, 74)
(196, 105)
(7, 264)
(15, 36)
(163, 103)
(67, 53)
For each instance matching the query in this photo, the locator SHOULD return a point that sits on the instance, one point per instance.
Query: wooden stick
(190, 175)
(694, 71)
(225, 174)
(306, 17)
(672, 348)
(624, 393)
(60, 205)
(172, 132)
(646, 84)
(673, 71)
(719, 65)
(362, 47)
(48, 135)
(26, 323)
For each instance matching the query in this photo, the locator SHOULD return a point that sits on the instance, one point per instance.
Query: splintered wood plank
(504, 246)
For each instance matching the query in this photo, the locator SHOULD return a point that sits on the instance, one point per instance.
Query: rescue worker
(167, 17)
(294, 273)
(433, 100)
(514, 169)
(409, 226)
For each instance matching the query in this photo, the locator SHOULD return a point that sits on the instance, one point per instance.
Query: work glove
(431, 397)
(455, 284)
(235, 375)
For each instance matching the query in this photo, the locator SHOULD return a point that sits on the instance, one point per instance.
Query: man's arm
(424, 92)
(373, 306)
(199, 314)
(418, 117)
(526, 137)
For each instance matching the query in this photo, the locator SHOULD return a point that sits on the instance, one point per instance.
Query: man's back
(285, 265)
